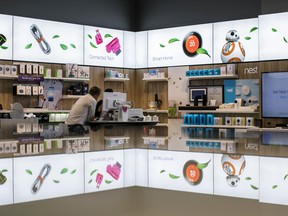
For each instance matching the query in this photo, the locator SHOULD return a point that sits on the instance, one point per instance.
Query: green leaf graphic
(253, 29)
(285, 177)
(203, 165)
(55, 36)
(3, 47)
(64, 170)
(274, 30)
(108, 182)
(63, 46)
(203, 51)
(285, 39)
(28, 46)
(274, 186)
(172, 40)
(162, 171)
(248, 178)
(247, 38)
(56, 181)
(4, 170)
(73, 46)
(173, 176)
(254, 187)
(74, 171)
(28, 172)
(93, 172)
(89, 36)
(90, 181)
(92, 45)
(107, 35)
(161, 45)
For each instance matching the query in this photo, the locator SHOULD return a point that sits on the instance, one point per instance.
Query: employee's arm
(91, 112)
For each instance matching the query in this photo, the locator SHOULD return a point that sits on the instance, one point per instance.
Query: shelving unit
(155, 111)
(67, 79)
(155, 79)
(217, 126)
(116, 79)
(8, 77)
(234, 76)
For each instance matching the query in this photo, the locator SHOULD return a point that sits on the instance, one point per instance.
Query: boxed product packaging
(14, 70)
(28, 69)
(58, 73)
(47, 72)
(28, 127)
(35, 127)
(7, 70)
(7, 147)
(240, 121)
(35, 148)
(29, 148)
(71, 70)
(41, 147)
(35, 90)
(28, 90)
(249, 121)
(35, 68)
(83, 72)
(22, 68)
(1, 69)
(223, 71)
(40, 90)
(22, 149)
(41, 70)
(230, 121)
(231, 69)
(14, 147)
(20, 90)
(218, 121)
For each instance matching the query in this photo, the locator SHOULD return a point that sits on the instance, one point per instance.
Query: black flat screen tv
(274, 88)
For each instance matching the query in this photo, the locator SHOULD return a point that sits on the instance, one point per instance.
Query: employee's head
(95, 92)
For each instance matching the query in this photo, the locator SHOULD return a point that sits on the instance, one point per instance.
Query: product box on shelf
(28, 90)
(41, 70)
(47, 72)
(7, 70)
(22, 68)
(29, 148)
(83, 72)
(58, 73)
(35, 68)
(1, 69)
(223, 71)
(14, 70)
(29, 69)
(35, 90)
(229, 121)
(231, 69)
(240, 121)
(249, 121)
(71, 70)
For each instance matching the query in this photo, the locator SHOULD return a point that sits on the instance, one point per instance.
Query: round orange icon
(191, 43)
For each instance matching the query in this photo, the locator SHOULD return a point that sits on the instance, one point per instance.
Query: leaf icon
(4, 170)
(63, 46)
(28, 46)
(172, 40)
(173, 176)
(107, 35)
(93, 45)
(247, 38)
(162, 171)
(93, 172)
(274, 30)
(3, 47)
(285, 39)
(203, 165)
(28, 171)
(74, 171)
(161, 45)
(56, 181)
(203, 51)
(274, 186)
(254, 187)
(90, 181)
(248, 178)
(73, 46)
(253, 29)
(285, 177)
(64, 170)
(107, 181)
(55, 36)
(89, 36)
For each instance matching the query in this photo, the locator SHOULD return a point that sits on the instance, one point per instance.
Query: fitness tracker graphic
(35, 31)
(191, 43)
(40, 179)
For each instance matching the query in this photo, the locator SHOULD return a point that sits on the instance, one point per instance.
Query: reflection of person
(99, 105)
(84, 108)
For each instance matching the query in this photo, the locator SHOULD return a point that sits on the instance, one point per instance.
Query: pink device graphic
(114, 46)
(98, 37)
(99, 179)
(114, 170)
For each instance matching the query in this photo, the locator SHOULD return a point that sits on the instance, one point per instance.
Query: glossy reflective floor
(138, 170)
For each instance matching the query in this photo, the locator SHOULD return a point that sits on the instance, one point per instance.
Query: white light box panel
(189, 45)
(6, 181)
(182, 171)
(103, 47)
(44, 177)
(104, 170)
(6, 37)
(47, 41)
(235, 41)
(236, 175)
(273, 36)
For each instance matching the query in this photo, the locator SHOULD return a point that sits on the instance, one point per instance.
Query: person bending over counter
(99, 105)
(84, 108)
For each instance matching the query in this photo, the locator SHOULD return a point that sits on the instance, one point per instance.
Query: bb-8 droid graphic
(233, 166)
(233, 50)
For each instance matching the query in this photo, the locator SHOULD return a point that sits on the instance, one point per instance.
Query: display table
(107, 122)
